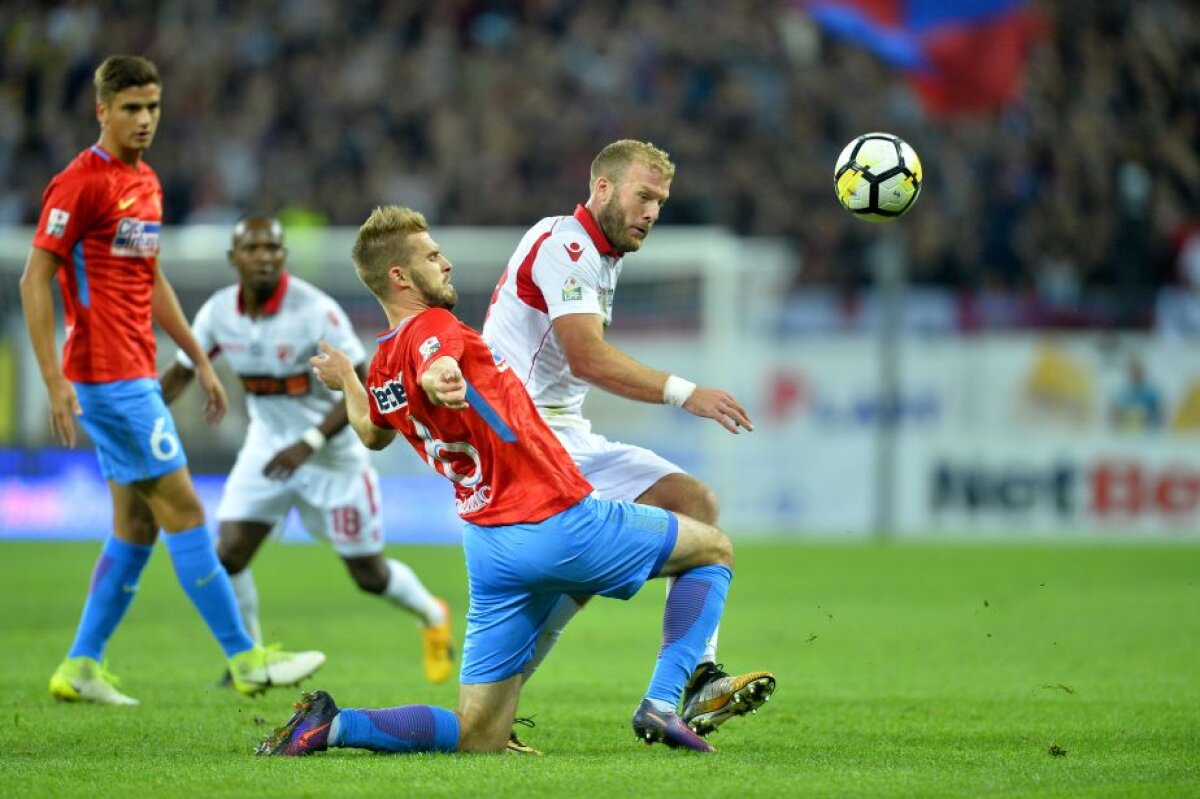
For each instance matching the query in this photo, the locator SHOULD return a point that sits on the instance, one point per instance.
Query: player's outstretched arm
(174, 381)
(593, 359)
(169, 316)
(444, 383)
(38, 304)
(334, 369)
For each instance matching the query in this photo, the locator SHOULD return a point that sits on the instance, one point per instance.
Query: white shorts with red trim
(338, 505)
(621, 472)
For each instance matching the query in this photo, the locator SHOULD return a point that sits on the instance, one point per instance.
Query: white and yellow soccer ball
(877, 177)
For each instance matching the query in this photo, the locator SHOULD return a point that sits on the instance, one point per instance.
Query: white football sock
(710, 646)
(247, 599)
(563, 611)
(405, 590)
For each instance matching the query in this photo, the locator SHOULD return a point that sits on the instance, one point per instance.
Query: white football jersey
(270, 354)
(563, 265)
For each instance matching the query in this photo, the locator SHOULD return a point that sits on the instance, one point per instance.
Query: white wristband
(314, 438)
(677, 391)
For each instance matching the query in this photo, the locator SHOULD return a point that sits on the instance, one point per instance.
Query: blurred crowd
(1079, 197)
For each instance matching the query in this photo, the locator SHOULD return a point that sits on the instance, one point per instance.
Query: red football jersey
(506, 465)
(102, 218)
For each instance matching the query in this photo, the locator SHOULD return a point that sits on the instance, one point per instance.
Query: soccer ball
(878, 177)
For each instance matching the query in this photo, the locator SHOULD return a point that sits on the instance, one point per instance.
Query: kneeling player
(533, 532)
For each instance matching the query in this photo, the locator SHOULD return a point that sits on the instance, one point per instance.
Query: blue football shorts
(132, 429)
(517, 572)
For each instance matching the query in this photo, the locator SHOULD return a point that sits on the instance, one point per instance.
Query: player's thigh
(596, 546)
(485, 714)
(132, 430)
(617, 471)
(251, 496)
(684, 494)
(173, 500)
(133, 521)
(697, 544)
(342, 507)
(507, 610)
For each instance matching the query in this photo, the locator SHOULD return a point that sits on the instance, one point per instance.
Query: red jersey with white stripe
(102, 217)
(563, 265)
(506, 465)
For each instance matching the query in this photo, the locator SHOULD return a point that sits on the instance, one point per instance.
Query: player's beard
(612, 223)
(437, 293)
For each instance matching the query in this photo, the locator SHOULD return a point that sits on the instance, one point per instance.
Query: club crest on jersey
(56, 222)
(572, 290)
(136, 238)
(574, 250)
(390, 397)
(429, 346)
(285, 352)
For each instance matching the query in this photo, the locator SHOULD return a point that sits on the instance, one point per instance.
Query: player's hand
(215, 401)
(713, 403)
(287, 461)
(64, 407)
(444, 384)
(331, 366)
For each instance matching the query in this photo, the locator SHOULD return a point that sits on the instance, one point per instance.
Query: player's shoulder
(568, 242)
(435, 317)
(302, 298)
(301, 292)
(90, 165)
(222, 303)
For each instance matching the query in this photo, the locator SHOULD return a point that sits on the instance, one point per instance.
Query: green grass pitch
(903, 671)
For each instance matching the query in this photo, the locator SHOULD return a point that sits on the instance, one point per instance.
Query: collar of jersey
(595, 233)
(272, 305)
(387, 334)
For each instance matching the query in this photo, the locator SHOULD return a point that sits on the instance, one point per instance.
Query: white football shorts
(617, 471)
(338, 505)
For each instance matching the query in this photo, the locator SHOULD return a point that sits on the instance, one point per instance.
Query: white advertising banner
(1061, 487)
(1057, 437)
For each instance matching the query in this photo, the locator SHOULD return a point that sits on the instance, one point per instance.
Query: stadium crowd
(1077, 197)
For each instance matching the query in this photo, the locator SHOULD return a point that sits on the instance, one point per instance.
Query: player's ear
(101, 113)
(399, 275)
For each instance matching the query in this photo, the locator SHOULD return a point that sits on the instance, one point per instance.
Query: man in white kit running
(547, 319)
(298, 451)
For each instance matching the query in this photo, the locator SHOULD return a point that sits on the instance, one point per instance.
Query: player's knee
(722, 548)
(233, 552)
(703, 504)
(140, 527)
(234, 560)
(370, 574)
(482, 734)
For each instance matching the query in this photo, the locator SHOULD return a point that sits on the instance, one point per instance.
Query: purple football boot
(306, 731)
(653, 726)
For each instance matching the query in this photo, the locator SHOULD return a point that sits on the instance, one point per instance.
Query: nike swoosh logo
(123, 204)
(203, 581)
(310, 733)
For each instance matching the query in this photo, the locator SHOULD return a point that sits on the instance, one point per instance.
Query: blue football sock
(114, 582)
(206, 583)
(693, 611)
(411, 728)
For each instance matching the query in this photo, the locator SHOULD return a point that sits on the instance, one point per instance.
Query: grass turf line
(903, 671)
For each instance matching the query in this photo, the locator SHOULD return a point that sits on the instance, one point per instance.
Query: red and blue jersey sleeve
(68, 207)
